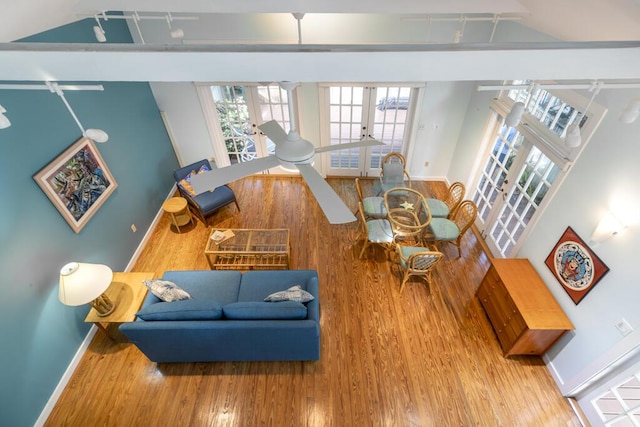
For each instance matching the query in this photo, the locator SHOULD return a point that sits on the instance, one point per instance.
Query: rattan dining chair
(393, 172)
(417, 261)
(375, 231)
(452, 230)
(373, 206)
(447, 207)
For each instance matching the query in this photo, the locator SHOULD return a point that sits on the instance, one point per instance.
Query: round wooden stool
(179, 211)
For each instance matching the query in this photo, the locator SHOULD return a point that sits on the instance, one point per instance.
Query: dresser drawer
(514, 298)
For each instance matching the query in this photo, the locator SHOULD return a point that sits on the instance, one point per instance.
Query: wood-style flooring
(426, 357)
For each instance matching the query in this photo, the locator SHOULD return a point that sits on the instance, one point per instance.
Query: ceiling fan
(291, 152)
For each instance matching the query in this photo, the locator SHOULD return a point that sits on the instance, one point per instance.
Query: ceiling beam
(319, 63)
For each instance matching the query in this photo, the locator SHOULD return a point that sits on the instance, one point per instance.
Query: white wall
(606, 176)
(186, 120)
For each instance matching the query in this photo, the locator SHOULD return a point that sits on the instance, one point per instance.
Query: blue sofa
(233, 321)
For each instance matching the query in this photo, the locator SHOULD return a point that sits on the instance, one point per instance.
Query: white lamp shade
(98, 135)
(515, 115)
(631, 112)
(177, 33)
(81, 283)
(573, 138)
(4, 121)
(99, 32)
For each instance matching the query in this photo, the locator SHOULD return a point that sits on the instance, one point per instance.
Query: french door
(356, 112)
(233, 114)
(526, 164)
(513, 184)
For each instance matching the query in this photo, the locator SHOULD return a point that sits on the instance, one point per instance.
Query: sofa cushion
(182, 310)
(255, 310)
(294, 293)
(213, 200)
(166, 290)
(221, 286)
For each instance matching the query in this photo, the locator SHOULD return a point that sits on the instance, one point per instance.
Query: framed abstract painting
(77, 182)
(575, 265)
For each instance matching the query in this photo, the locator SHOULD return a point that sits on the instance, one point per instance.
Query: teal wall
(39, 334)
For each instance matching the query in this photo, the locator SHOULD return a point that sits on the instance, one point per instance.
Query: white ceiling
(563, 20)
(568, 20)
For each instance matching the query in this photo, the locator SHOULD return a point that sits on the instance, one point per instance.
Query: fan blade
(274, 131)
(361, 143)
(332, 205)
(207, 181)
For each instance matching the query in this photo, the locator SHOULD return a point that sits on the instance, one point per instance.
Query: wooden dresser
(524, 314)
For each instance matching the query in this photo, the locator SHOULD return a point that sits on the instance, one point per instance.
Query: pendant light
(573, 137)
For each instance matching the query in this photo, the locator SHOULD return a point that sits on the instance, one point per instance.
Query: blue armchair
(205, 204)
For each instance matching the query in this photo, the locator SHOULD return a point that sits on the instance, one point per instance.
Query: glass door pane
(531, 186)
(233, 115)
(377, 112)
(345, 123)
(494, 174)
(388, 124)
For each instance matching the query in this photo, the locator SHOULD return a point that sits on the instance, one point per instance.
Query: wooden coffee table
(249, 249)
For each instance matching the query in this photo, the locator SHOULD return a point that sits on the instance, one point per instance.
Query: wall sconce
(82, 283)
(609, 226)
(4, 120)
(631, 112)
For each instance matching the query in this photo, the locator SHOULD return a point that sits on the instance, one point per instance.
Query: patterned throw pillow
(294, 293)
(165, 290)
(185, 183)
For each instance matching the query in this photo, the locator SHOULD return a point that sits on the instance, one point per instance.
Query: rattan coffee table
(248, 249)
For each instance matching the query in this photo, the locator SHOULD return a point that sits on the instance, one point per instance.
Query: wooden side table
(127, 293)
(179, 211)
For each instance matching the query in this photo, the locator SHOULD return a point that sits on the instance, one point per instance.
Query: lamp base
(103, 305)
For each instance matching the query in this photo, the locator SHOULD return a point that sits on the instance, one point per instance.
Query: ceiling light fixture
(4, 120)
(515, 115)
(573, 138)
(99, 31)
(98, 135)
(176, 33)
(631, 112)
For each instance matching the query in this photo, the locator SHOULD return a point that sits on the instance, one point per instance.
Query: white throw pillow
(165, 290)
(294, 293)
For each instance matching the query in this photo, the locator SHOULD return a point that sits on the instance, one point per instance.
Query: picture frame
(575, 265)
(77, 182)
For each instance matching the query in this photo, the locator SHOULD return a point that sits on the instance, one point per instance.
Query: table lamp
(82, 283)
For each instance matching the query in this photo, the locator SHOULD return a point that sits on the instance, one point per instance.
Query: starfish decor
(408, 206)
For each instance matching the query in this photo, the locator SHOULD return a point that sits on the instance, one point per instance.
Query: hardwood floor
(426, 357)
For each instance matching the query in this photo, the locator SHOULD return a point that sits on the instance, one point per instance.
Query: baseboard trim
(53, 399)
(51, 403)
(147, 235)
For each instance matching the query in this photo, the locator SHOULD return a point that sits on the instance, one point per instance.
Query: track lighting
(513, 118)
(98, 135)
(631, 112)
(176, 33)
(4, 120)
(99, 31)
(573, 138)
